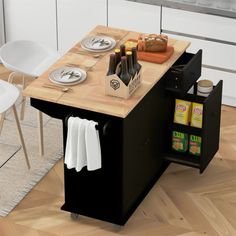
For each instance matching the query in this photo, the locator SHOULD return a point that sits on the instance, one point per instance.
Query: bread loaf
(153, 43)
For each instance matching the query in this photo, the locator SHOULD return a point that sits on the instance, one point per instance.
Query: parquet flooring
(182, 202)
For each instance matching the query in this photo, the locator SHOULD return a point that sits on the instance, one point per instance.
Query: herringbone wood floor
(181, 203)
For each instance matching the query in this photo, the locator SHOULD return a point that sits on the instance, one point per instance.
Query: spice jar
(204, 87)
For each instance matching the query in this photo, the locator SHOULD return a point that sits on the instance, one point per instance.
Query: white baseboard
(230, 101)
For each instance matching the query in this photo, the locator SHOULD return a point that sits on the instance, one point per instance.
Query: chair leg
(21, 136)
(22, 111)
(11, 77)
(2, 116)
(40, 129)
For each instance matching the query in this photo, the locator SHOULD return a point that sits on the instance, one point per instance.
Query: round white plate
(97, 42)
(55, 76)
(94, 43)
(66, 75)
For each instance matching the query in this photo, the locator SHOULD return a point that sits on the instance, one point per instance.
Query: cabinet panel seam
(199, 37)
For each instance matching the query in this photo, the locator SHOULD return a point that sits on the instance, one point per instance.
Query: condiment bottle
(136, 65)
(131, 69)
(122, 50)
(112, 65)
(124, 75)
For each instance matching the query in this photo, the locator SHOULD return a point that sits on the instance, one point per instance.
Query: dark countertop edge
(190, 7)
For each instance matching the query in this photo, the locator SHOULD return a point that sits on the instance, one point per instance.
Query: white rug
(15, 178)
(7, 151)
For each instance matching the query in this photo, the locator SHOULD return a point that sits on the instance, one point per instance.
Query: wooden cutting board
(155, 57)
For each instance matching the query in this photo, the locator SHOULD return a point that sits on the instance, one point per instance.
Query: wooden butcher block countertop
(90, 94)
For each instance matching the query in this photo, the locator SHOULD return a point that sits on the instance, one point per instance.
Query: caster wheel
(117, 227)
(74, 216)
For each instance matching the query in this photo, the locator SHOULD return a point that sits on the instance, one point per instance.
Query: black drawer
(184, 73)
(210, 131)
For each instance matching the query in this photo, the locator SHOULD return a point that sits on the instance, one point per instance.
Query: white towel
(71, 143)
(83, 145)
(93, 149)
(81, 148)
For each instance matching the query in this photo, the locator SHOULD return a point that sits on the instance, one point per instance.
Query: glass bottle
(124, 76)
(112, 65)
(131, 69)
(118, 60)
(122, 50)
(136, 65)
(118, 56)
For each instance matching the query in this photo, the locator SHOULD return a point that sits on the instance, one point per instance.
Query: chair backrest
(24, 56)
(8, 95)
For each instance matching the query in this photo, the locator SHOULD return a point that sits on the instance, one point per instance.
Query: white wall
(31, 19)
(76, 18)
(1, 24)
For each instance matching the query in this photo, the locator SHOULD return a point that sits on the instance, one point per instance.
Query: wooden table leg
(40, 130)
(21, 136)
(2, 116)
(22, 111)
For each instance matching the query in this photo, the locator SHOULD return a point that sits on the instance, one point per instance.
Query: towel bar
(104, 128)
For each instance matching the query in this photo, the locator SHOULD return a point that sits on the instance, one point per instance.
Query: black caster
(74, 216)
(117, 227)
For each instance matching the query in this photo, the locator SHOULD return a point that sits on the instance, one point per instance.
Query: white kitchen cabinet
(199, 24)
(214, 54)
(229, 84)
(134, 16)
(32, 20)
(216, 36)
(76, 18)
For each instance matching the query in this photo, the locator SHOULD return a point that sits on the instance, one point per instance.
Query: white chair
(8, 96)
(27, 58)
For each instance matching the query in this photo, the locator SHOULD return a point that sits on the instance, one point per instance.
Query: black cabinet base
(122, 219)
(131, 158)
(135, 151)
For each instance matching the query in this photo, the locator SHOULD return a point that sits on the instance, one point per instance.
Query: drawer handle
(106, 127)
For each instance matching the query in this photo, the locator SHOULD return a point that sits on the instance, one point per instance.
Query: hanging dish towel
(93, 149)
(81, 148)
(71, 143)
(83, 145)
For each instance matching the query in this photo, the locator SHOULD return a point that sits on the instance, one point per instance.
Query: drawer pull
(106, 127)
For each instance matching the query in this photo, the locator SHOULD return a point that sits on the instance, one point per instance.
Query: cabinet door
(31, 20)
(214, 54)
(229, 84)
(134, 16)
(76, 18)
(198, 24)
